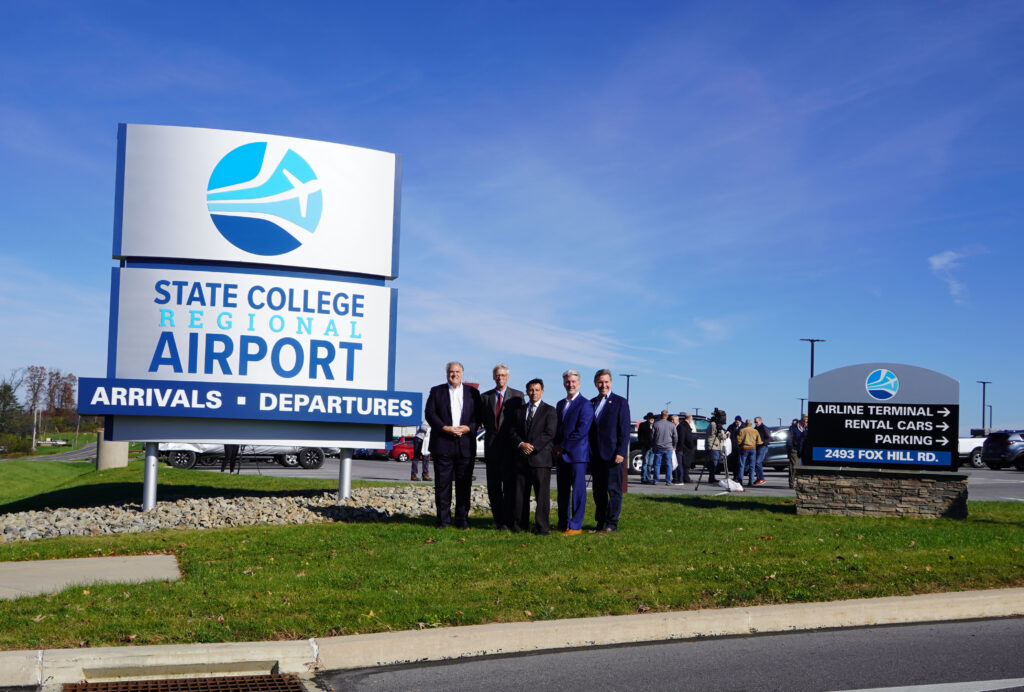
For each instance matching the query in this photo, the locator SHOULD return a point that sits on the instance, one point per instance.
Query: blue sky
(676, 190)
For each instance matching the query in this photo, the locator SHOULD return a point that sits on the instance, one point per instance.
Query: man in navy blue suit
(453, 412)
(609, 447)
(572, 452)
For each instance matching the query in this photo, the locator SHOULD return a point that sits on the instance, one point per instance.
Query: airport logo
(882, 384)
(264, 199)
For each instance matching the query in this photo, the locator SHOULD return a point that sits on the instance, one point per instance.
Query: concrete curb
(58, 666)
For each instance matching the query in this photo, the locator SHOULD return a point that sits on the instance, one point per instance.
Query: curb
(58, 666)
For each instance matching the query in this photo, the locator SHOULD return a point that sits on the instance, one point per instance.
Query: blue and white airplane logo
(264, 199)
(882, 384)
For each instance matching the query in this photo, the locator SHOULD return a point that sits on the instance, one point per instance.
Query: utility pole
(802, 400)
(812, 342)
(984, 384)
(696, 411)
(628, 377)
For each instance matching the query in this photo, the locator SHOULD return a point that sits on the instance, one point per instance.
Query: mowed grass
(672, 553)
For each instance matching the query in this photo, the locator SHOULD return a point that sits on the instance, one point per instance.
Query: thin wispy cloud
(946, 265)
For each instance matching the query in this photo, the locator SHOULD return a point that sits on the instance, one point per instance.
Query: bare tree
(14, 379)
(35, 386)
(66, 402)
(54, 383)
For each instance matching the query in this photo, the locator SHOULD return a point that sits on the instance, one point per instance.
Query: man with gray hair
(501, 405)
(572, 452)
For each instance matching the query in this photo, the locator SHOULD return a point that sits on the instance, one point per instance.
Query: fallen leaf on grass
(642, 609)
(528, 613)
(301, 574)
(430, 540)
(85, 592)
(39, 618)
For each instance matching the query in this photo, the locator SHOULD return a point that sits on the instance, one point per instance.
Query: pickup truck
(187, 455)
(969, 448)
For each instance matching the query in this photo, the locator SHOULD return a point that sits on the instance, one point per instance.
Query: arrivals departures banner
(884, 415)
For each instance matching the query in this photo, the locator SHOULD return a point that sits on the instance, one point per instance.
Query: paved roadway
(984, 484)
(972, 656)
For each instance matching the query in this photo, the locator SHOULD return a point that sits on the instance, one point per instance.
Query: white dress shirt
(455, 396)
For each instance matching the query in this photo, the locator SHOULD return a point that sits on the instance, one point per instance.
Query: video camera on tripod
(718, 416)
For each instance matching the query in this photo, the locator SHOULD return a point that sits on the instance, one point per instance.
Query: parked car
(1004, 448)
(969, 448)
(402, 449)
(778, 455)
(187, 455)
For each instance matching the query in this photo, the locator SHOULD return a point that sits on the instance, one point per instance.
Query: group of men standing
(525, 439)
(669, 442)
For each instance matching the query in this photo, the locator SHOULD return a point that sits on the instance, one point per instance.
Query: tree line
(37, 400)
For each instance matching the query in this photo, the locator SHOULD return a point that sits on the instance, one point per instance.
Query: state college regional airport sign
(251, 302)
(884, 415)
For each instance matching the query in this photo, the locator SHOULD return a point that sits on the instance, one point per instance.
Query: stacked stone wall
(880, 493)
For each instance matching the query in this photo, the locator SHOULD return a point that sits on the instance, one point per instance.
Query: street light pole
(627, 383)
(696, 411)
(984, 384)
(990, 417)
(812, 342)
(802, 400)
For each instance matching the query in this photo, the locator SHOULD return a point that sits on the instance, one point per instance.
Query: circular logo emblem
(264, 201)
(882, 384)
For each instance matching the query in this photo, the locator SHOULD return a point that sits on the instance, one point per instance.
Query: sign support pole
(149, 479)
(345, 475)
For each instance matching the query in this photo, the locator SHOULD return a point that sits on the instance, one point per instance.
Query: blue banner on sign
(881, 456)
(108, 396)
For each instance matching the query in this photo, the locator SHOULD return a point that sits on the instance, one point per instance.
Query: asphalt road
(984, 484)
(947, 657)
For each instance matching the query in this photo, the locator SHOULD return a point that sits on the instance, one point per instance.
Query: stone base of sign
(109, 454)
(880, 492)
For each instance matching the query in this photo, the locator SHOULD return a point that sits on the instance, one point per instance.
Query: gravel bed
(301, 507)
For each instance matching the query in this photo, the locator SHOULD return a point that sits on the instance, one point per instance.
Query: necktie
(600, 405)
(497, 409)
(529, 418)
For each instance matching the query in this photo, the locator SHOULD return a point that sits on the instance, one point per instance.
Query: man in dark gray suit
(533, 435)
(500, 406)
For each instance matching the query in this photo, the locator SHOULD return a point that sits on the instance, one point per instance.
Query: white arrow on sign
(944, 411)
(943, 426)
(943, 441)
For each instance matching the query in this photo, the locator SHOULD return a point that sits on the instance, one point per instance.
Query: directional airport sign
(884, 415)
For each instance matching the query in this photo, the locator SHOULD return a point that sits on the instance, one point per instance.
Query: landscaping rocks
(289, 507)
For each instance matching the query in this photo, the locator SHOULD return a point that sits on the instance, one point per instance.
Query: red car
(402, 449)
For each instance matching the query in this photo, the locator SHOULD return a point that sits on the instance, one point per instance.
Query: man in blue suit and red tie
(609, 447)
(453, 412)
(572, 452)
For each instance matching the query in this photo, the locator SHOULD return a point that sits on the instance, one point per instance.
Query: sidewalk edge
(58, 666)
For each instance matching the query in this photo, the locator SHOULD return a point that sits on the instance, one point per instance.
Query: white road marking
(975, 686)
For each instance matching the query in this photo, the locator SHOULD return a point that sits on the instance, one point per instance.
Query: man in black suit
(453, 412)
(501, 405)
(686, 449)
(609, 448)
(533, 435)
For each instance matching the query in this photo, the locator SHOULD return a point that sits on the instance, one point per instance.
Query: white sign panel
(213, 326)
(226, 196)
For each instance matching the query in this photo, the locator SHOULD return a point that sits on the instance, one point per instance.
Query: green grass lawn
(672, 553)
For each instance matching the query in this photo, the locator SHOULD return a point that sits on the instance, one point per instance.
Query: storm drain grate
(236, 683)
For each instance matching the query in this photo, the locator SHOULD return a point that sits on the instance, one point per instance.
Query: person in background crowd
(498, 415)
(420, 441)
(762, 450)
(716, 438)
(663, 441)
(734, 456)
(453, 413)
(643, 438)
(747, 440)
(795, 445)
(533, 435)
(686, 448)
(609, 448)
(572, 452)
(676, 462)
